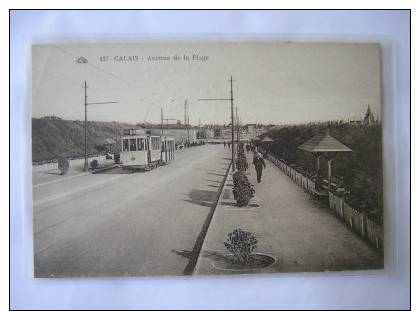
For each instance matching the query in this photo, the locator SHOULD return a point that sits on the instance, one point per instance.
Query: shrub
(241, 162)
(242, 188)
(241, 244)
(94, 164)
(63, 165)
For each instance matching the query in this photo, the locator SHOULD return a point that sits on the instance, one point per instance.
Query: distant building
(52, 118)
(369, 118)
(251, 131)
(355, 122)
(227, 133)
(180, 132)
(209, 132)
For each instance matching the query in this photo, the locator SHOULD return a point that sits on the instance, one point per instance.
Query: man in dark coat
(259, 164)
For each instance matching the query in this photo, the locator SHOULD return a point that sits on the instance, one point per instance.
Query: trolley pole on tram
(231, 117)
(85, 166)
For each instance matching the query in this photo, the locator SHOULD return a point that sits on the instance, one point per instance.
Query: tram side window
(155, 143)
(140, 144)
(133, 144)
(125, 144)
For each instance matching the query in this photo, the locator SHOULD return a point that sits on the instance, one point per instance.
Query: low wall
(356, 221)
(74, 164)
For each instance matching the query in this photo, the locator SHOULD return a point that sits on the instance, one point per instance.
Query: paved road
(116, 223)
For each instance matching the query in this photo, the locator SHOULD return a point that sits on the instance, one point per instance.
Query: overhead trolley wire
(57, 76)
(97, 67)
(65, 79)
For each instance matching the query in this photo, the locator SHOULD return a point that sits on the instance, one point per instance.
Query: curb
(103, 169)
(221, 191)
(196, 251)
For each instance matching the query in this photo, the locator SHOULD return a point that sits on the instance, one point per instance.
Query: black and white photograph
(206, 158)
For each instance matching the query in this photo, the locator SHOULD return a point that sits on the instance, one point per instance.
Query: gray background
(387, 289)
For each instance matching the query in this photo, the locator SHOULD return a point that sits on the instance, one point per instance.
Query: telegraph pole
(86, 160)
(187, 119)
(161, 129)
(161, 121)
(85, 167)
(237, 127)
(188, 128)
(231, 116)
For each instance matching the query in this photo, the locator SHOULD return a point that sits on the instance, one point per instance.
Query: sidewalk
(289, 225)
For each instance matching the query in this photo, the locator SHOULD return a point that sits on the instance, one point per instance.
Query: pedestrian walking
(224, 144)
(259, 164)
(228, 145)
(247, 148)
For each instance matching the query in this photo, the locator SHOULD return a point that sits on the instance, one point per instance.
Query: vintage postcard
(206, 158)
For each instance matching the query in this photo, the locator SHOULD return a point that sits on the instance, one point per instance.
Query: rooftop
(267, 139)
(168, 126)
(324, 143)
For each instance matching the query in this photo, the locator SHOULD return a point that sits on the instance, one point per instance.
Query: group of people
(248, 146)
(188, 144)
(226, 144)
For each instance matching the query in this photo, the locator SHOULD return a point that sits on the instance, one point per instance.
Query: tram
(143, 151)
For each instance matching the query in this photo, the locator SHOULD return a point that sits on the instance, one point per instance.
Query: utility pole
(231, 112)
(85, 167)
(237, 127)
(187, 119)
(161, 121)
(189, 128)
(185, 112)
(231, 116)
(161, 131)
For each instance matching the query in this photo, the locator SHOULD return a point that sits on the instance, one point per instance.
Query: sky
(274, 82)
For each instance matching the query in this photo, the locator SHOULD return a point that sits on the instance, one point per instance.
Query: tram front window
(133, 145)
(125, 144)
